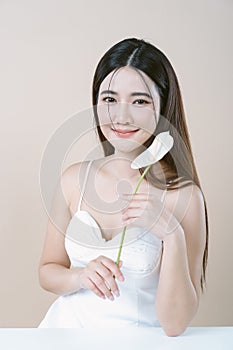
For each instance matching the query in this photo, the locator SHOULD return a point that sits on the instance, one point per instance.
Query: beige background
(49, 51)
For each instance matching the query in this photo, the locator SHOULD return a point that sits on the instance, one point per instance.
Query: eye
(141, 102)
(108, 99)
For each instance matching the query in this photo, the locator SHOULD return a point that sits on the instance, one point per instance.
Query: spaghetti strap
(84, 183)
(163, 195)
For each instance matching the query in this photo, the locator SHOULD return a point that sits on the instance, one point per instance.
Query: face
(128, 107)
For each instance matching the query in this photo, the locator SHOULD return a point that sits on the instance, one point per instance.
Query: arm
(55, 274)
(179, 284)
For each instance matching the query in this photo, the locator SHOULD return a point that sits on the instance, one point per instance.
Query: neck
(120, 167)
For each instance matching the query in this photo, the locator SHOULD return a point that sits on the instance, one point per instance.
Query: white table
(206, 338)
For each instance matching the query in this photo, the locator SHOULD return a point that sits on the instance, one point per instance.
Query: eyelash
(145, 102)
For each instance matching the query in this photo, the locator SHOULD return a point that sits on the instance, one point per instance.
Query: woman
(161, 274)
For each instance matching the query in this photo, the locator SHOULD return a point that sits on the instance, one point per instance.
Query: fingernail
(117, 293)
(111, 297)
(121, 278)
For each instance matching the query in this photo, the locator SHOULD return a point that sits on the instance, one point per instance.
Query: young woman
(161, 273)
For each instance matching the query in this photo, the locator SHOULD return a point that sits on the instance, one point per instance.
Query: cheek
(104, 120)
(151, 124)
(104, 115)
(145, 120)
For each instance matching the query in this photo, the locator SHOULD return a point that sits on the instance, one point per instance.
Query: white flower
(156, 151)
(161, 145)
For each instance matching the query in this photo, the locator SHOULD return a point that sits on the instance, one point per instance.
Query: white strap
(84, 183)
(163, 195)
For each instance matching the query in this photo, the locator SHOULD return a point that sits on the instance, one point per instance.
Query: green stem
(121, 244)
(141, 178)
(124, 229)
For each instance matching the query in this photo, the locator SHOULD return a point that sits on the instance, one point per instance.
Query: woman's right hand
(98, 276)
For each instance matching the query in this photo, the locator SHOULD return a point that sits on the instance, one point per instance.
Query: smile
(124, 133)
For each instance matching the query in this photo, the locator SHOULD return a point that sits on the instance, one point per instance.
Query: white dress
(141, 255)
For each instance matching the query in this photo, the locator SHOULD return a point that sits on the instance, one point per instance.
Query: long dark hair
(179, 167)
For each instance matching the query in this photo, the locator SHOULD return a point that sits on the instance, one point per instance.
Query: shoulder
(185, 201)
(187, 204)
(194, 220)
(189, 210)
(72, 169)
(70, 178)
(194, 202)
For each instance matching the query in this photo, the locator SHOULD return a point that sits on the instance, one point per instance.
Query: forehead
(127, 77)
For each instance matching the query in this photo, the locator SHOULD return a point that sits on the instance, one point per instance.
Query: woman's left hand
(147, 211)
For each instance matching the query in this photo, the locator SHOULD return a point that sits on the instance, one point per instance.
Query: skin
(180, 223)
(122, 110)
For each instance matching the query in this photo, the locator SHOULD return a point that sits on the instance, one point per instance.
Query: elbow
(174, 328)
(174, 331)
(176, 323)
(41, 278)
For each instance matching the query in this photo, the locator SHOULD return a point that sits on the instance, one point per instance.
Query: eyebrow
(133, 93)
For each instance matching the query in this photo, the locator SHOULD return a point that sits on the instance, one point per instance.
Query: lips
(120, 131)
(123, 133)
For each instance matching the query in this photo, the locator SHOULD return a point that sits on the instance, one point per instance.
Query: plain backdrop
(49, 51)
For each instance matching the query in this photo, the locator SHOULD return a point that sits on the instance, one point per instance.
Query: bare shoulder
(194, 215)
(187, 190)
(187, 204)
(70, 178)
(184, 199)
(194, 199)
(192, 190)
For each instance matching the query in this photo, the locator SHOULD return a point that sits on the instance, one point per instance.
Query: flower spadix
(161, 145)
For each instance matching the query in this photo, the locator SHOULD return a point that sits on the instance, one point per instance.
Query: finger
(111, 265)
(131, 222)
(106, 281)
(132, 213)
(94, 288)
(120, 263)
(100, 282)
(133, 206)
(126, 195)
(141, 203)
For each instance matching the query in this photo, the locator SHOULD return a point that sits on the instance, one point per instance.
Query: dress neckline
(95, 238)
(97, 226)
(95, 223)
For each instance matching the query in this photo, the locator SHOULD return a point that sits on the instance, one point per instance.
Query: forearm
(176, 300)
(59, 279)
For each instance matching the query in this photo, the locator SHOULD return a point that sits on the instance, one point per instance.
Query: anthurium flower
(161, 145)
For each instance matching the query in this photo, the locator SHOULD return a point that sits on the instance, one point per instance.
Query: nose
(122, 114)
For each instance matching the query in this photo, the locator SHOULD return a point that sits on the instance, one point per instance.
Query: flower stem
(121, 244)
(124, 229)
(141, 178)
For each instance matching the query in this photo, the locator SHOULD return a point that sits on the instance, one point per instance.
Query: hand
(147, 211)
(98, 277)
